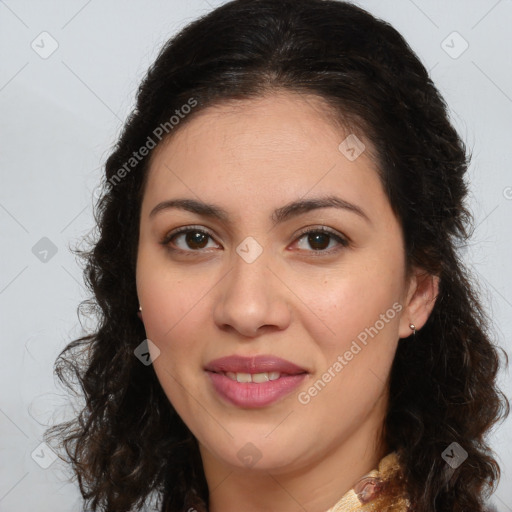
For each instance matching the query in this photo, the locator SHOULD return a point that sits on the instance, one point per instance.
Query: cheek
(171, 297)
(175, 324)
(357, 338)
(349, 303)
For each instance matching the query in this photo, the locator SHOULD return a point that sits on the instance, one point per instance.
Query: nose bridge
(251, 276)
(250, 261)
(250, 296)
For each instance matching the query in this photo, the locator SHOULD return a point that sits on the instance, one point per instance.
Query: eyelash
(343, 241)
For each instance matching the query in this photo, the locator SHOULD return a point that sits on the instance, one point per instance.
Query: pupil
(315, 241)
(196, 240)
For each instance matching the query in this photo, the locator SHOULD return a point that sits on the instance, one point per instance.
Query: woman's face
(246, 280)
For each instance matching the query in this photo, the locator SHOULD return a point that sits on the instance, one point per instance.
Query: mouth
(258, 378)
(262, 366)
(254, 382)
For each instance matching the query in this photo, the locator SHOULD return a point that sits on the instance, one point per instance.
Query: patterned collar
(369, 493)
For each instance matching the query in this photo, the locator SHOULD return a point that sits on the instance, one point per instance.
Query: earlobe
(139, 313)
(421, 297)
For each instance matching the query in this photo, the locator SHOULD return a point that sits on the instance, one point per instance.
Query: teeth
(260, 377)
(256, 377)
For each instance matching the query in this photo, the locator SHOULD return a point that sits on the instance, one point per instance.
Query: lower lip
(252, 395)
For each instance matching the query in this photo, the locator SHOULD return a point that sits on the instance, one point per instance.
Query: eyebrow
(279, 215)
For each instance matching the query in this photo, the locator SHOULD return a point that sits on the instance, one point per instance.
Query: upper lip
(255, 364)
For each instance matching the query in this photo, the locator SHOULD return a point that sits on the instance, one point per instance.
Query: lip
(253, 395)
(255, 364)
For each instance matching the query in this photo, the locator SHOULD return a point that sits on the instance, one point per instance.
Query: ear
(422, 293)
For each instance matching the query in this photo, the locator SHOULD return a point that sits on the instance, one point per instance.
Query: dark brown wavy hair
(128, 445)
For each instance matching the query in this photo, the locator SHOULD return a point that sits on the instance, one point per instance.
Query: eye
(194, 239)
(190, 239)
(321, 240)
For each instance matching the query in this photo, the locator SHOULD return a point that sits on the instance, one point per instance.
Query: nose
(252, 300)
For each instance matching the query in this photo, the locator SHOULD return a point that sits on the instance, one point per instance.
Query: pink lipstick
(253, 382)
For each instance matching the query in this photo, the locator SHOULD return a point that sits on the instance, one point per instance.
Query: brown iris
(196, 239)
(316, 240)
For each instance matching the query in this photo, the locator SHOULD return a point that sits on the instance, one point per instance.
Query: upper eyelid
(304, 231)
(184, 229)
(322, 229)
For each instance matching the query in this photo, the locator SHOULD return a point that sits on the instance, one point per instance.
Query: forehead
(284, 144)
(277, 121)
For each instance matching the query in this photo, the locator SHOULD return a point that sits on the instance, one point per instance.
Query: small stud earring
(139, 313)
(413, 329)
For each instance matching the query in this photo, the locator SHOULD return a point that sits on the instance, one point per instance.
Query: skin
(250, 157)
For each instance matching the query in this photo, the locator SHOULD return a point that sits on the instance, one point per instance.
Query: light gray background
(60, 116)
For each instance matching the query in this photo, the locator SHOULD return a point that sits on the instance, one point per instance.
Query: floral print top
(368, 493)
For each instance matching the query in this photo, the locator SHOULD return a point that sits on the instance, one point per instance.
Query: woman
(285, 323)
